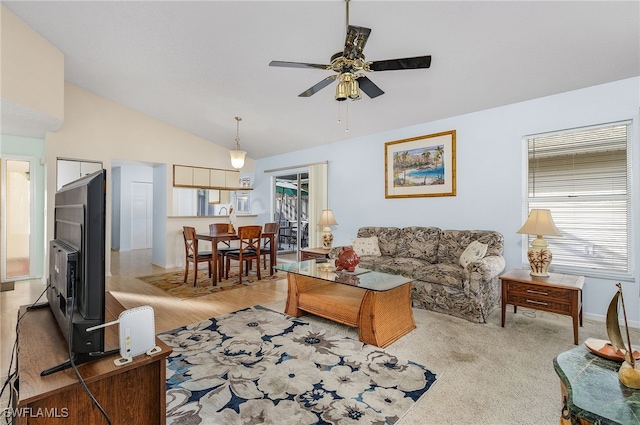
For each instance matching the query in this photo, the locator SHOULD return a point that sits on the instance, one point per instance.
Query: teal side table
(592, 393)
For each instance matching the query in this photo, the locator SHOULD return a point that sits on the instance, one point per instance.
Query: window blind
(583, 177)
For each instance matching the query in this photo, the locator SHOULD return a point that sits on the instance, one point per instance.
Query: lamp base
(532, 273)
(327, 238)
(539, 257)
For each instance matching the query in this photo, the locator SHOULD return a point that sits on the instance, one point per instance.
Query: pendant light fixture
(237, 156)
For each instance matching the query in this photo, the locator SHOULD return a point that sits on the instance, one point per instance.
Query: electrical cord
(12, 375)
(77, 372)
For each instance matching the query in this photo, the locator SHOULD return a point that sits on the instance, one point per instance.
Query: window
(583, 177)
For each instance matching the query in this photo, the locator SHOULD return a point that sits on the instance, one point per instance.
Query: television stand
(134, 393)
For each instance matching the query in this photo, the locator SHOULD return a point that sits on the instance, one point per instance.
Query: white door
(141, 215)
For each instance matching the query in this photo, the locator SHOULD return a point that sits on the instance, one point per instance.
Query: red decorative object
(347, 260)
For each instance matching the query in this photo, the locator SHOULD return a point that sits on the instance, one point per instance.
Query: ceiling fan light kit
(348, 88)
(350, 64)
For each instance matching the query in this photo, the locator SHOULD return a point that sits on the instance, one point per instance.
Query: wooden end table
(556, 293)
(311, 253)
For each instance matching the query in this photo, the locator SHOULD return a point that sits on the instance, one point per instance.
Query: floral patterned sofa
(432, 257)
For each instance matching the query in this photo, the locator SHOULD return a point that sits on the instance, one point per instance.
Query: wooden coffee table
(378, 304)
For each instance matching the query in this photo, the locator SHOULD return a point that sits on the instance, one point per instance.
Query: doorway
(18, 189)
(291, 211)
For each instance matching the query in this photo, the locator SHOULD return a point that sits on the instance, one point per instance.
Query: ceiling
(197, 65)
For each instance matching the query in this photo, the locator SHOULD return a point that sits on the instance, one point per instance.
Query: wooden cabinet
(206, 178)
(182, 176)
(134, 393)
(217, 178)
(201, 177)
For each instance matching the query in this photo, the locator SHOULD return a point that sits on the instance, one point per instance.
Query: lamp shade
(539, 223)
(327, 219)
(237, 158)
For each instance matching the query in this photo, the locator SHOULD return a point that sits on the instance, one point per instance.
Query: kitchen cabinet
(206, 178)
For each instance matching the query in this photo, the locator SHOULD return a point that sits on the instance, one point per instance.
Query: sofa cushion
(454, 242)
(474, 252)
(366, 246)
(387, 238)
(407, 267)
(450, 275)
(419, 242)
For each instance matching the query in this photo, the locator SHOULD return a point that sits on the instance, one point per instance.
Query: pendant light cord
(238, 119)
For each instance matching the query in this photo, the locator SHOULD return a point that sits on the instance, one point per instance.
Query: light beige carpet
(487, 375)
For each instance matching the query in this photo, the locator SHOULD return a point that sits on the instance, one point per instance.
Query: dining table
(217, 237)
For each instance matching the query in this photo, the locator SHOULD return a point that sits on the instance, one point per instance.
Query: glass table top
(362, 278)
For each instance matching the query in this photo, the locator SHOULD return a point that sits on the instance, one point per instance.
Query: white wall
(32, 82)
(490, 172)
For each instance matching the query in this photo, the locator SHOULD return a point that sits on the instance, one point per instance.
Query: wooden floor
(170, 312)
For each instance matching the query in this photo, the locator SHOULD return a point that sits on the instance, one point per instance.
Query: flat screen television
(76, 290)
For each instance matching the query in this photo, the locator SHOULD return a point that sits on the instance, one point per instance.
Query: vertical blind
(583, 177)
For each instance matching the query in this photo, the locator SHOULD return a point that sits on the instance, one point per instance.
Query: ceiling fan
(350, 64)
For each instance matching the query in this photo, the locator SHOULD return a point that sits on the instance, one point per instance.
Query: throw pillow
(474, 252)
(366, 246)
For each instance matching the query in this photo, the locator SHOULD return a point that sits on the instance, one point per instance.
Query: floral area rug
(258, 366)
(172, 282)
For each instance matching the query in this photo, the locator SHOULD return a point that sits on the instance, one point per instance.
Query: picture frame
(421, 166)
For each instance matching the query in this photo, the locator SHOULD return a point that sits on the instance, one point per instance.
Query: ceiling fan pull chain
(339, 109)
(346, 130)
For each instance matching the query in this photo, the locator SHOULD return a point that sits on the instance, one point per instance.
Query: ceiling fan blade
(298, 65)
(355, 41)
(367, 86)
(404, 63)
(322, 84)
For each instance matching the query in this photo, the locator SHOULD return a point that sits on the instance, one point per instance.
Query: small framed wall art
(421, 166)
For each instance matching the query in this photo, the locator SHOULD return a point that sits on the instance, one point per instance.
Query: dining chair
(293, 233)
(266, 248)
(193, 255)
(250, 237)
(226, 245)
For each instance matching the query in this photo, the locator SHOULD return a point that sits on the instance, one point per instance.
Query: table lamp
(326, 220)
(539, 223)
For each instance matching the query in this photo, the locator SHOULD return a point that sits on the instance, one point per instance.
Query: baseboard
(7, 286)
(603, 319)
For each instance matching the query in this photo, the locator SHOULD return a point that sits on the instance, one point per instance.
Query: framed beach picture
(421, 166)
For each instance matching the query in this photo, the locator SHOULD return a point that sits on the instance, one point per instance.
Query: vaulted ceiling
(197, 65)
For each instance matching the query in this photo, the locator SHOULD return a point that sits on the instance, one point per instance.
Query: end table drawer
(539, 303)
(539, 292)
(312, 255)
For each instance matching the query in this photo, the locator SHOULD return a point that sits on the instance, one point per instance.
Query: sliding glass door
(291, 211)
